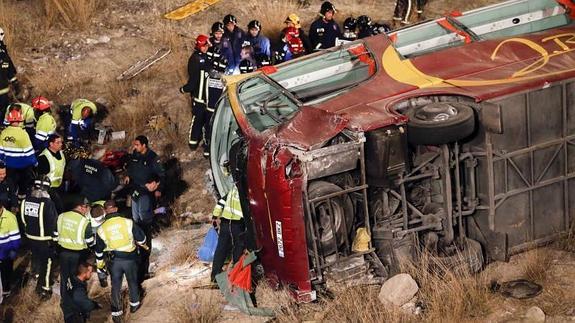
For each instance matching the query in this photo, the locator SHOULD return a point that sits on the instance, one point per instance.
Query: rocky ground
(64, 63)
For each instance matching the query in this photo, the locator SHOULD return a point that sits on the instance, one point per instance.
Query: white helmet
(1, 34)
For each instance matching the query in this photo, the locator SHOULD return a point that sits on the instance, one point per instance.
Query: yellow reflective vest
(45, 127)
(78, 105)
(230, 208)
(74, 232)
(56, 167)
(116, 232)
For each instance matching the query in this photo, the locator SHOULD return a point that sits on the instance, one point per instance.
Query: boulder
(534, 315)
(398, 290)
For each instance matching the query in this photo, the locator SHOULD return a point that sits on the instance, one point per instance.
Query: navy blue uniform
(323, 34)
(235, 38)
(198, 67)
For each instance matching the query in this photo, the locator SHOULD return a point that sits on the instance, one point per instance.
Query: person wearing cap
(293, 21)
(81, 125)
(254, 38)
(75, 236)
(235, 36)
(46, 124)
(96, 181)
(143, 205)
(220, 46)
(324, 32)
(17, 152)
(198, 67)
(40, 218)
(28, 115)
(119, 237)
(52, 163)
(10, 239)
(8, 79)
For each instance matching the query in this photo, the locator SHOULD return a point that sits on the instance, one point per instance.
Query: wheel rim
(436, 113)
(323, 210)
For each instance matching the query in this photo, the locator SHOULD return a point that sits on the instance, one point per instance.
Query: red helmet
(41, 103)
(202, 40)
(14, 116)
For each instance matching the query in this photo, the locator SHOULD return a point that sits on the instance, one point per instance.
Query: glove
(102, 278)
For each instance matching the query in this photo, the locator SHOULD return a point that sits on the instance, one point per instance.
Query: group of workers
(63, 207)
(230, 50)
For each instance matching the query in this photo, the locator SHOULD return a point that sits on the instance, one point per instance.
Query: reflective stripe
(36, 238)
(201, 89)
(47, 278)
(10, 238)
(134, 304)
(77, 122)
(193, 142)
(4, 91)
(117, 313)
(14, 79)
(41, 220)
(210, 109)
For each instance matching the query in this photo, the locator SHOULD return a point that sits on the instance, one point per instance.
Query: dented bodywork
(339, 141)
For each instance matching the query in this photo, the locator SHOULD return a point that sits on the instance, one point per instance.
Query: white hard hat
(1, 34)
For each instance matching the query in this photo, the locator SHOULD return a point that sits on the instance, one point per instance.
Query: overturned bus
(455, 136)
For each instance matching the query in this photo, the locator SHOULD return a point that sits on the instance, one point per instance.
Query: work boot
(117, 319)
(193, 147)
(44, 295)
(134, 309)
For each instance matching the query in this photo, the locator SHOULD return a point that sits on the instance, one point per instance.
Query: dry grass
(535, 265)
(272, 20)
(567, 241)
(25, 306)
(206, 311)
(71, 14)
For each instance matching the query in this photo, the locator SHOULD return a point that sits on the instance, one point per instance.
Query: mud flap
(495, 243)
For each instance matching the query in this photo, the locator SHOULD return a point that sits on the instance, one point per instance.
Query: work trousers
(4, 102)
(118, 268)
(69, 261)
(6, 272)
(144, 265)
(74, 318)
(42, 260)
(199, 127)
(404, 9)
(23, 178)
(56, 197)
(230, 240)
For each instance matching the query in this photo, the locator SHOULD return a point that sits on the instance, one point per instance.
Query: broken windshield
(265, 103)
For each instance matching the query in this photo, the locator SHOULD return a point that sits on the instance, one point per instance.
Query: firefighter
(235, 36)
(41, 221)
(81, 125)
(8, 77)
(324, 32)
(220, 45)
(228, 217)
(118, 237)
(349, 29)
(76, 305)
(246, 66)
(17, 151)
(404, 9)
(9, 244)
(198, 67)
(142, 163)
(291, 47)
(95, 180)
(262, 60)
(75, 236)
(293, 21)
(52, 163)
(254, 38)
(365, 26)
(143, 205)
(215, 89)
(28, 115)
(46, 124)
(7, 190)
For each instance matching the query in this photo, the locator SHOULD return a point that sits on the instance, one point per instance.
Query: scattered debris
(190, 9)
(140, 66)
(534, 315)
(398, 290)
(520, 289)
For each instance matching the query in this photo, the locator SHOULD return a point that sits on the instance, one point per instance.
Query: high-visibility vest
(231, 208)
(45, 127)
(116, 232)
(72, 230)
(9, 232)
(77, 106)
(16, 148)
(56, 167)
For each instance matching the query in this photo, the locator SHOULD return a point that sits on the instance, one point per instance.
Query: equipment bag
(208, 247)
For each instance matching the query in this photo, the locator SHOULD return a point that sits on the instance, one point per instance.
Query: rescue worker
(28, 115)
(198, 67)
(142, 163)
(7, 190)
(52, 163)
(235, 36)
(46, 124)
(293, 21)
(17, 151)
(365, 26)
(404, 9)
(291, 46)
(143, 205)
(75, 304)
(349, 29)
(118, 237)
(262, 60)
(254, 38)
(82, 121)
(75, 236)
(9, 245)
(246, 66)
(215, 89)
(228, 217)
(324, 32)
(41, 221)
(95, 180)
(220, 45)
(8, 77)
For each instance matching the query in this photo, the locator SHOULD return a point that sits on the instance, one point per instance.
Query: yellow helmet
(294, 19)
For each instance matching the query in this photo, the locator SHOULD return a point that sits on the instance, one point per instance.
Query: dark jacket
(198, 67)
(141, 166)
(8, 194)
(235, 38)
(7, 68)
(95, 180)
(260, 44)
(225, 48)
(40, 217)
(75, 300)
(322, 34)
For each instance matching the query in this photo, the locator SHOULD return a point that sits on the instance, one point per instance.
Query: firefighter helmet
(327, 6)
(14, 114)
(217, 26)
(255, 24)
(1, 34)
(230, 18)
(293, 19)
(246, 66)
(40, 103)
(350, 23)
(363, 22)
(202, 40)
